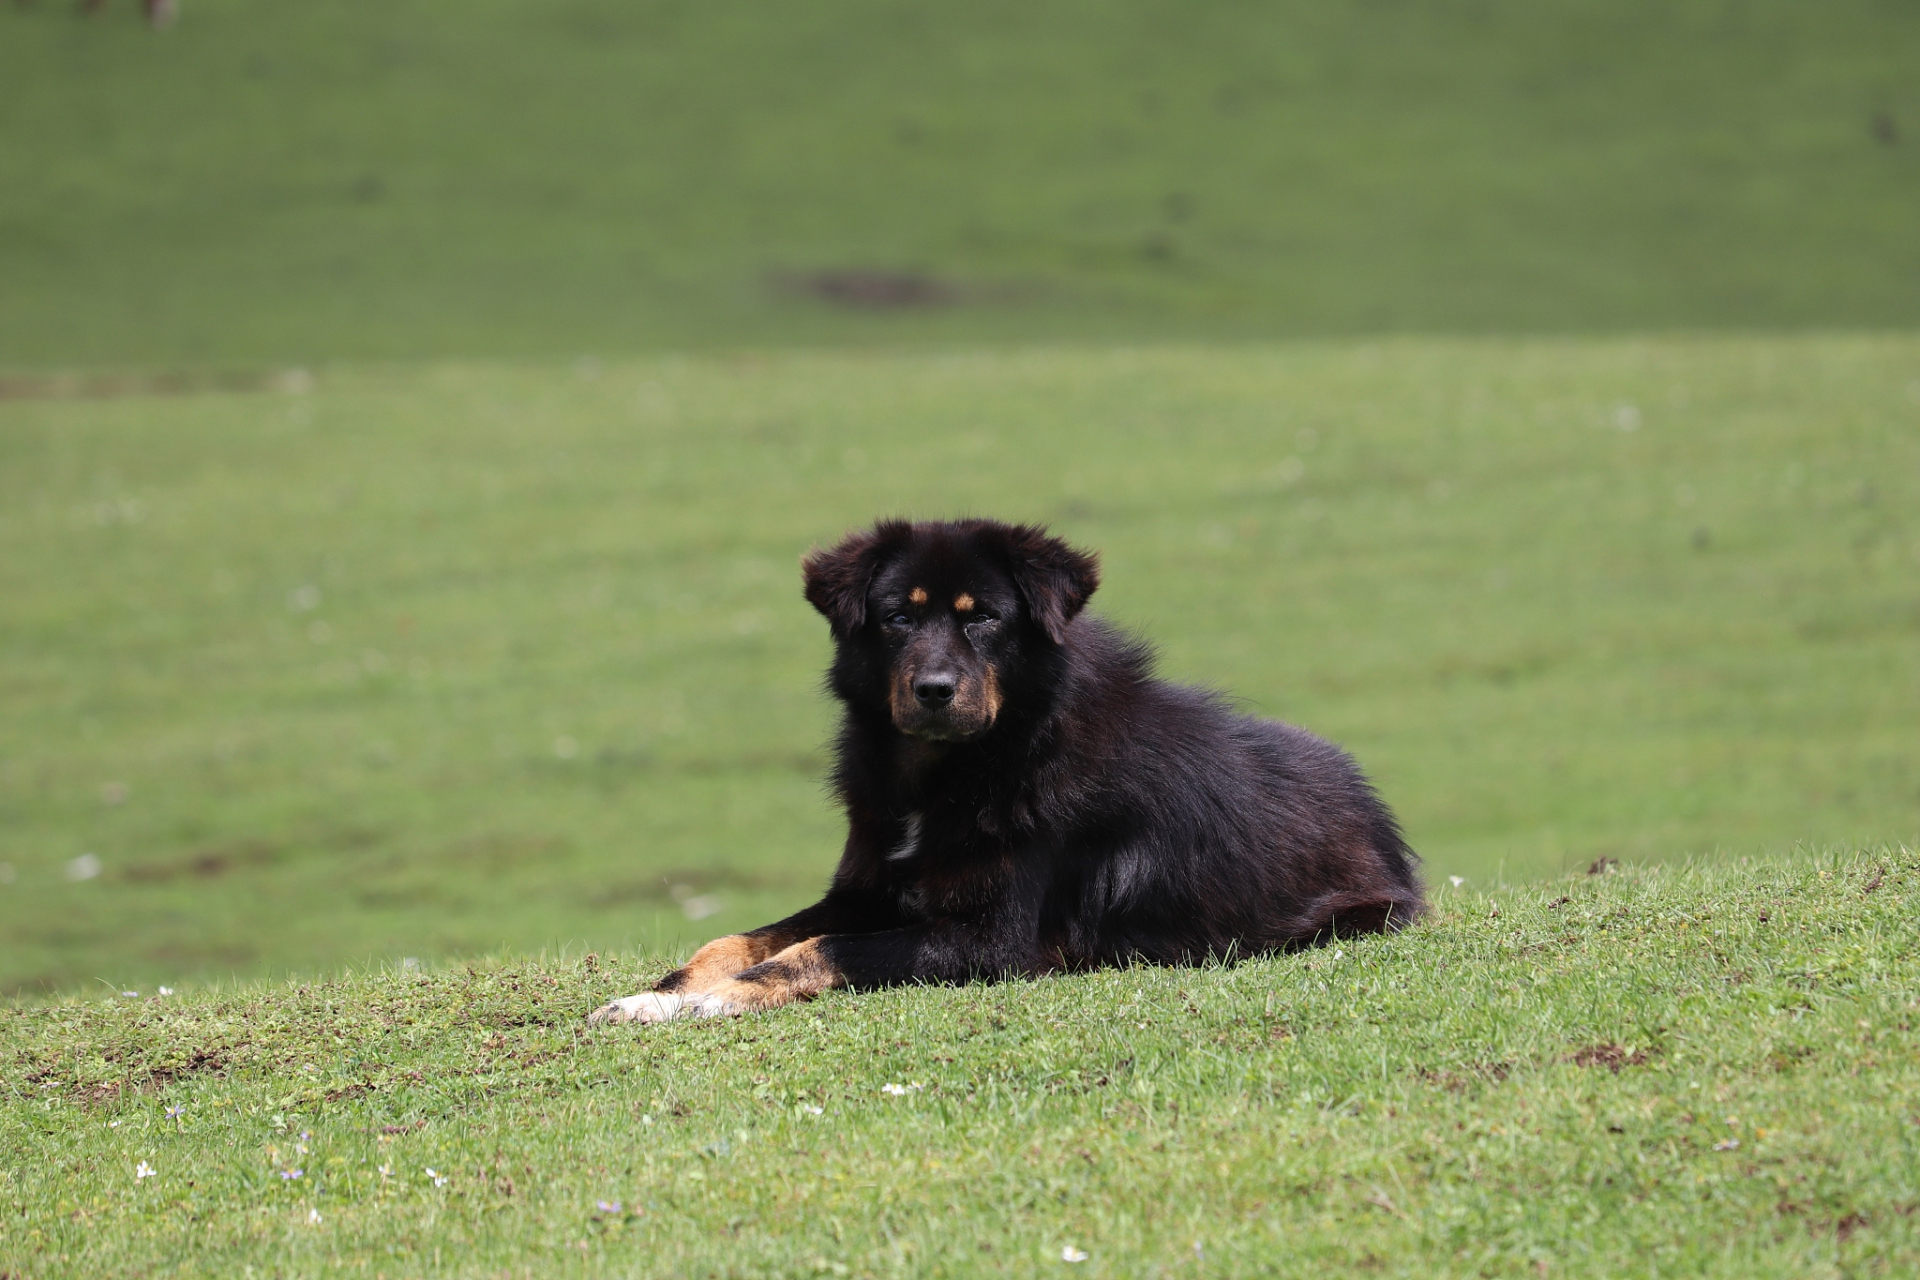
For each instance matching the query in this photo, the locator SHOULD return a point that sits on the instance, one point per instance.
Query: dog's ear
(837, 578)
(1055, 578)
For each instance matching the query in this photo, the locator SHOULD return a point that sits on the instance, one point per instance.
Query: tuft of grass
(1707, 1068)
(269, 181)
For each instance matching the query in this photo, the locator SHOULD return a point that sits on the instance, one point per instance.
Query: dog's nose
(934, 690)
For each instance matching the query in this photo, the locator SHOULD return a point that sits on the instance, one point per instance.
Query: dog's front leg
(687, 991)
(942, 951)
(683, 993)
(994, 933)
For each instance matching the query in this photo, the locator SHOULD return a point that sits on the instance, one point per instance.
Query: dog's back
(1196, 831)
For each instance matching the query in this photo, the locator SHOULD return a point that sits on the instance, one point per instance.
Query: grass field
(429, 661)
(1707, 1070)
(270, 181)
(411, 417)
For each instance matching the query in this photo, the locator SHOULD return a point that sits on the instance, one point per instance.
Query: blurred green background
(411, 417)
(393, 178)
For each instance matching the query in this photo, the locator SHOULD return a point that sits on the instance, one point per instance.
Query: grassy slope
(1704, 1070)
(1549, 638)
(307, 181)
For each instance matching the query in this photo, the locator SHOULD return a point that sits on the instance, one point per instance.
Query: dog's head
(940, 619)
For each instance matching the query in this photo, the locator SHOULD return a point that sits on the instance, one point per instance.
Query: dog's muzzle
(944, 706)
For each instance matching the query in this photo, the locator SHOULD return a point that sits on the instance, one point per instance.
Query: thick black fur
(1079, 811)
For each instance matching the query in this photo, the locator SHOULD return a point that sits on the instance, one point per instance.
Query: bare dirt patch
(206, 863)
(1475, 1073)
(1611, 1056)
(872, 288)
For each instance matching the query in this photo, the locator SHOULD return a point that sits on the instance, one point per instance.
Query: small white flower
(313, 1217)
(900, 1090)
(386, 1171)
(1070, 1254)
(815, 1111)
(1337, 953)
(439, 1179)
(1457, 881)
(166, 991)
(131, 995)
(113, 1124)
(646, 1119)
(142, 1170)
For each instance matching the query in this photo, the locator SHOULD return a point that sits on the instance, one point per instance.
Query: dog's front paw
(664, 1006)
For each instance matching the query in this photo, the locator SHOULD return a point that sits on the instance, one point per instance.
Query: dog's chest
(935, 876)
(909, 845)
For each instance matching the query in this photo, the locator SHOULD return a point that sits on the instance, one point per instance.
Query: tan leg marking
(720, 960)
(800, 972)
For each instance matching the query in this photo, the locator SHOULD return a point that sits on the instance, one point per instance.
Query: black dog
(1023, 796)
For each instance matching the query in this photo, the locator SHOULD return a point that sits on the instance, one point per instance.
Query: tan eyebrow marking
(918, 595)
(963, 602)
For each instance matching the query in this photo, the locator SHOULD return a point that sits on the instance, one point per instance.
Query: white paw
(648, 1006)
(663, 1006)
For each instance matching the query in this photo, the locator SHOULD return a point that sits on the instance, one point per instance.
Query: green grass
(272, 181)
(435, 660)
(1700, 1070)
(313, 683)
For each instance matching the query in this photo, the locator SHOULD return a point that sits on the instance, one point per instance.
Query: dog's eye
(899, 620)
(981, 615)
